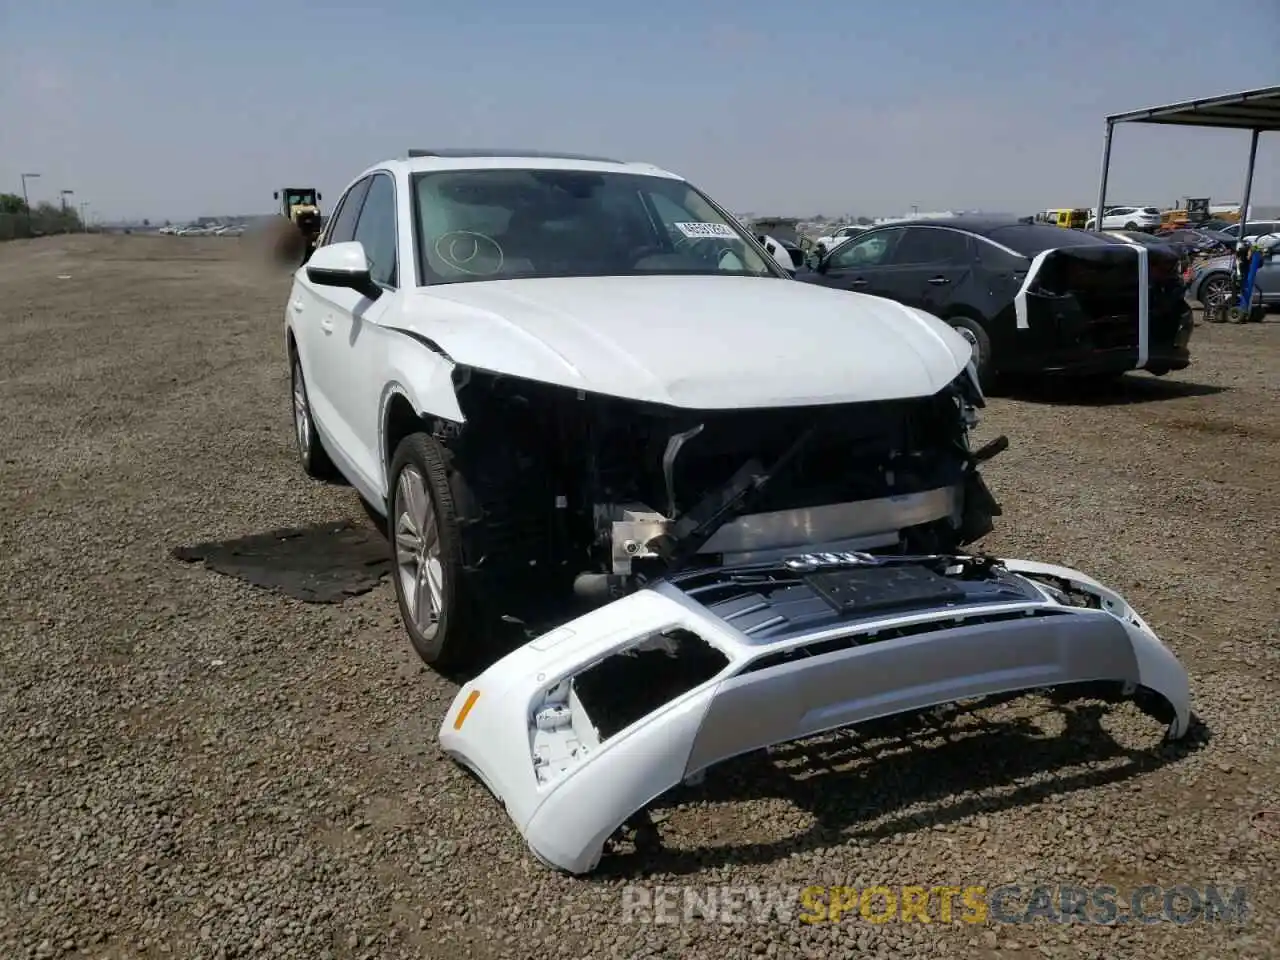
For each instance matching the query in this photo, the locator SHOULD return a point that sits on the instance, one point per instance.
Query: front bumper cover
(795, 664)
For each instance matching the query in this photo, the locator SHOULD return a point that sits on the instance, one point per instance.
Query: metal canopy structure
(1253, 110)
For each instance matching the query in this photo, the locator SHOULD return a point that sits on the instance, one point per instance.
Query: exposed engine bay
(606, 494)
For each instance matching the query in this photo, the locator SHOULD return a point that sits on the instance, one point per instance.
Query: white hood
(695, 342)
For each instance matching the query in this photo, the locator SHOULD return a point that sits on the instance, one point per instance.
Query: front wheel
(426, 542)
(1214, 295)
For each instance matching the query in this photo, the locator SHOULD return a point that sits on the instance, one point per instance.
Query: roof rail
(468, 153)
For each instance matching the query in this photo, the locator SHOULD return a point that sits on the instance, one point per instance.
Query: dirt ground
(191, 766)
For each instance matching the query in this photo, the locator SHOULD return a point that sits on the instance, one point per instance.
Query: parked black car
(1029, 298)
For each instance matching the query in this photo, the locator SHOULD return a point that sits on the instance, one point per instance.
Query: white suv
(563, 377)
(1128, 218)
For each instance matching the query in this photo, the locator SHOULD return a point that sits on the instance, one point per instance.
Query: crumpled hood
(696, 342)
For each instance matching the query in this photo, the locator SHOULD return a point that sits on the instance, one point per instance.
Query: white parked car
(1127, 218)
(568, 380)
(837, 237)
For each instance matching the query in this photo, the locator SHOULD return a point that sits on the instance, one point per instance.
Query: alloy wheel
(418, 563)
(301, 412)
(1215, 292)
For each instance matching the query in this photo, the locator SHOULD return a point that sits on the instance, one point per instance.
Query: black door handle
(858, 283)
(939, 281)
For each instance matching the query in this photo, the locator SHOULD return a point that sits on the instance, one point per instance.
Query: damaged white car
(570, 382)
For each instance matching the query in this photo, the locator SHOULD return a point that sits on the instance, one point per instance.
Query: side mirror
(319, 195)
(779, 253)
(275, 195)
(343, 265)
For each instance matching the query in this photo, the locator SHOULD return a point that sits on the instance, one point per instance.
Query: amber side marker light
(470, 702)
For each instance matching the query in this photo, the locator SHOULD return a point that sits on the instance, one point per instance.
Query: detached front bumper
(785, 653)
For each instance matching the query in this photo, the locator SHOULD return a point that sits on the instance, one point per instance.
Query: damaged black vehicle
(1030, 298)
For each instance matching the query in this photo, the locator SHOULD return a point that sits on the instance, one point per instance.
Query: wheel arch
(410, 406)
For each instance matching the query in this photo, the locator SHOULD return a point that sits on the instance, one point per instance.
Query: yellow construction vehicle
(1188, 211)
(295, 238)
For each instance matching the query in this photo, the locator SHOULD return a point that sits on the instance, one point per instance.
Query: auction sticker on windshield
(699, 231)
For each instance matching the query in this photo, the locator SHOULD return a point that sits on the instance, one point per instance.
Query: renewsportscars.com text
(971, 904)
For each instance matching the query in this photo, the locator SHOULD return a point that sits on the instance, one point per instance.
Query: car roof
(970, 223)
(460, 158)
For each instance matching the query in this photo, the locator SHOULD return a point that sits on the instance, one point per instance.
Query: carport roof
(1251, 110)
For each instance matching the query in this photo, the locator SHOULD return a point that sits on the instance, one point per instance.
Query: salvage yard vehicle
(1128, 218)
(1213, 283)
(1029, 297)
(838, 236)
(1071, 217)
(575, 383)
(1252, 230)
(558, 375)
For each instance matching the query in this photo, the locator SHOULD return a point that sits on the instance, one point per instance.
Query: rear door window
(921, 245)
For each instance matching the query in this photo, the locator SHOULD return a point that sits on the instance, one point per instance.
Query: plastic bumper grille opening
(838, 644)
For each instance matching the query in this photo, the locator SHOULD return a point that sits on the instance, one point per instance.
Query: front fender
(423, 374)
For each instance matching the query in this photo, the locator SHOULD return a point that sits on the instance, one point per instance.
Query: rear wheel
(311, 453)
(438, 612)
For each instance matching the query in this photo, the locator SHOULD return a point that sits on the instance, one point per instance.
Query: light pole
(25, 202)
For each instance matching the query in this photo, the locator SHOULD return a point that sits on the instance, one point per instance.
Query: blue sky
(177, 109)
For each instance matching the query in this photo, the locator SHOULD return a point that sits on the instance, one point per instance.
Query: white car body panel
(588, 789)
(662, 339)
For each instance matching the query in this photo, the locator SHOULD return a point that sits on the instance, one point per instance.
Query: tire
(976, 334)
(311, 452)
(1131, 226)
(1212, 288)
(448, 633)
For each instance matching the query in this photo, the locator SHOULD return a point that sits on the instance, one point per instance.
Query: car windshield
(499, 224)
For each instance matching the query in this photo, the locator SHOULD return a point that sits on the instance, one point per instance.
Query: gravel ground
(193, 767)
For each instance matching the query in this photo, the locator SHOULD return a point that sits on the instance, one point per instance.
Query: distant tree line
(19, 222)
